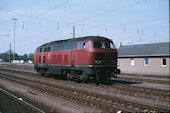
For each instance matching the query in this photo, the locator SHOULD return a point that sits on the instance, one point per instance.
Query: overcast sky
(40, 21)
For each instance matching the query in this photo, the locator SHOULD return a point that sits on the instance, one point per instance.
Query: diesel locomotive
(84, 58)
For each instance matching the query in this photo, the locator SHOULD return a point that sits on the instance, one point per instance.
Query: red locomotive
(85, 58)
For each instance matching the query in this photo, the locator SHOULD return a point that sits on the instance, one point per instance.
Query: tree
(4, 57)
(16, 55)
(25, 55)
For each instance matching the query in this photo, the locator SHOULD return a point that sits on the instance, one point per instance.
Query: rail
(22, 101)
(100, 101)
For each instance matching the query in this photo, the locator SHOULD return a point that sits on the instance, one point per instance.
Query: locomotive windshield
(110, 45)
(98, 44)
(104, 44)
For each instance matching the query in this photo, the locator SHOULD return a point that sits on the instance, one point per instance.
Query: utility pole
(10, 54)
(14, 19)
(73, 32)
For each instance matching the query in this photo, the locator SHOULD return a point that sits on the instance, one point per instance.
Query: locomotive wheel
(41, 72)
(45, 73)
(64, 75)
(97, 79)
(68, 76)
(84, 77)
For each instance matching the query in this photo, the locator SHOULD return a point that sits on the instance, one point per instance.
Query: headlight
(98, 62)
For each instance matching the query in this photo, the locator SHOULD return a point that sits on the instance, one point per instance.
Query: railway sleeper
(137, 107)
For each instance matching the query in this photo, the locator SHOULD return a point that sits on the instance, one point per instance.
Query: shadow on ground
(112, 82)
(106, 82)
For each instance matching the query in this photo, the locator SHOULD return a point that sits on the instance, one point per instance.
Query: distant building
(23, 59)
(145, 59)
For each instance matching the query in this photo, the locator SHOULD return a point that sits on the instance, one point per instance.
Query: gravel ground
(152, 85)
(42, 100)
(166, 79)
(96, 89)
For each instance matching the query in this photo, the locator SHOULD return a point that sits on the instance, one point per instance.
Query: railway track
(145, 75)
(30, 68)
(144, 80)
(103, 102)
(9, 103)
(17, 66)
(142, 92)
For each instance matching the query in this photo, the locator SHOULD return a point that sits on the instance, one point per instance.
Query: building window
(163, 62)
(146, 62)
(132, 62)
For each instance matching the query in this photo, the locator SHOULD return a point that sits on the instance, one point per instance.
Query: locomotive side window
(48, 49)
(41, 50)
(51, 48)
(58, 48)
(74, 46)
(45, 49)
(83, 45)
(55, 48)
(67, 46)
(98, 44)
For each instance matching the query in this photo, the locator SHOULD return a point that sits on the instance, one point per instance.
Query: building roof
(75, 40)
(142, 50)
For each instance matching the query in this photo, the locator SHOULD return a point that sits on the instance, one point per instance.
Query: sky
(40, 21)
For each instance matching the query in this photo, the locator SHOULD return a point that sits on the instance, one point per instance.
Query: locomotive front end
(104, 59)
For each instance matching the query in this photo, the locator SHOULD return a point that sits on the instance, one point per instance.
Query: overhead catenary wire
(60, 26)
(99, 14)
(58, 5)
(125, 6)
(109, 11)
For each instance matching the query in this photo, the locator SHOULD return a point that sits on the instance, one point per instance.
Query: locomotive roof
(75, 40)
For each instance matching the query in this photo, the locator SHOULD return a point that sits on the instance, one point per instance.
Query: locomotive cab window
(41, 50)
(110, 45)
(83, 45)
(98, 44)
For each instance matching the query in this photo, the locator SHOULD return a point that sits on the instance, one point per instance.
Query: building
(152, 59)
(23, 59)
